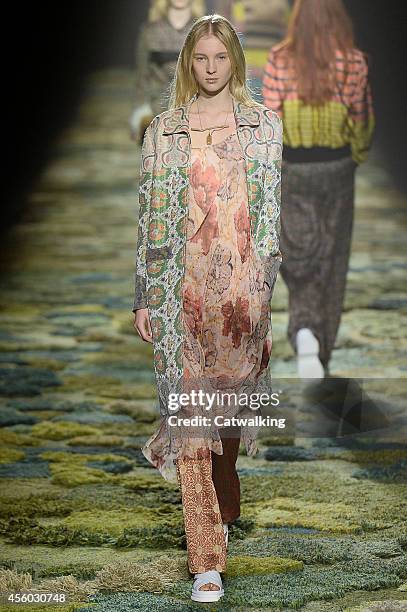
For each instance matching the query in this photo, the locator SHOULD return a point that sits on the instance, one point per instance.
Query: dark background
(49, 49)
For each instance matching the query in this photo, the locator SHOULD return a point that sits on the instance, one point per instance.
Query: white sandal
(204, 578)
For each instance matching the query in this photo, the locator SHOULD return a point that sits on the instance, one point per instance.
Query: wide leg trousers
(316, 229)
(210, 491)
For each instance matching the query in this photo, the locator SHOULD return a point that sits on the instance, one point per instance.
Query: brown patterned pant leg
(202, 518)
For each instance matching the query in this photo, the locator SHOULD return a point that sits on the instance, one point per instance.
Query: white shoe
(226, 532)
(308, 363)
(204, 578)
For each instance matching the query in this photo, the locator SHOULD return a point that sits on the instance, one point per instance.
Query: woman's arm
(145, 186)
(361, 114)
(142, 72)
(142, 94)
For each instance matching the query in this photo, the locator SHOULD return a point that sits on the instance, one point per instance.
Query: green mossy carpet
(323, 518)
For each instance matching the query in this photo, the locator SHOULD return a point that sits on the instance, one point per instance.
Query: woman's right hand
(142, 324)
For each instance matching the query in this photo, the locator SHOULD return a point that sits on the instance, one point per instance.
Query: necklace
(212, 129)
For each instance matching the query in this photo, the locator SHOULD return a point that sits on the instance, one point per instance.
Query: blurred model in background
(317, 81)
(158, 46)
(221, 7)
(262, 24)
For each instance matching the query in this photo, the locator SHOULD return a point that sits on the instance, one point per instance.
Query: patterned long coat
(163, 212)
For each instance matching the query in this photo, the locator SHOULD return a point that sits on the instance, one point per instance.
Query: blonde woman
(156, 55)
(207, 260)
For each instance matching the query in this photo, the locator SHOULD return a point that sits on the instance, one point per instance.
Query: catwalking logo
(207, 400)
(221, 421)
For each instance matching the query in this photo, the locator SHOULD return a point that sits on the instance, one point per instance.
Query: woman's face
(211, 64)
(179, 4)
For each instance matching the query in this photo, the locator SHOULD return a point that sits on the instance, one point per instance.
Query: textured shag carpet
(323, 524)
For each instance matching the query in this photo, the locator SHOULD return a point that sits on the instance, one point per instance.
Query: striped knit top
(346, 119)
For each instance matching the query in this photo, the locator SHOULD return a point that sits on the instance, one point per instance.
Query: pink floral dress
(226, 343)
(226, 308)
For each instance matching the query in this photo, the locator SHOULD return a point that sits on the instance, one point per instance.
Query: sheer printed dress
(226, 308)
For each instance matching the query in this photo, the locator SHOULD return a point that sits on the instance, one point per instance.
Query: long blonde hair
(184, 84)
(159, 9)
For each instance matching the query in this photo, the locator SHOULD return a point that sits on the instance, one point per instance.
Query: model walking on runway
(207, 260)
(317, 81)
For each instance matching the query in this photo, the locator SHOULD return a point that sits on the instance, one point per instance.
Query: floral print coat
(165, 171)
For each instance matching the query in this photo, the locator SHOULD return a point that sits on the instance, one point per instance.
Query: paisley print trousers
(210, 492)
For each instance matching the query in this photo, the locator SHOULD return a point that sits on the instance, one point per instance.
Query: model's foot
(207, 587)
(308, 363)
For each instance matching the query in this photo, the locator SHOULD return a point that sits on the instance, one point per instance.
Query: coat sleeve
(272, 195)
(361, 115)
(145, 187)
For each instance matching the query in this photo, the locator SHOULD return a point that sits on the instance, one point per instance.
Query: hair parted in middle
(184, 84)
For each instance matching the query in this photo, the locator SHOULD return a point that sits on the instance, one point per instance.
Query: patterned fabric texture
(347, 118)
(210, 491)
(166, 176)
(316, 233)
(202, 517)
(226, 298)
